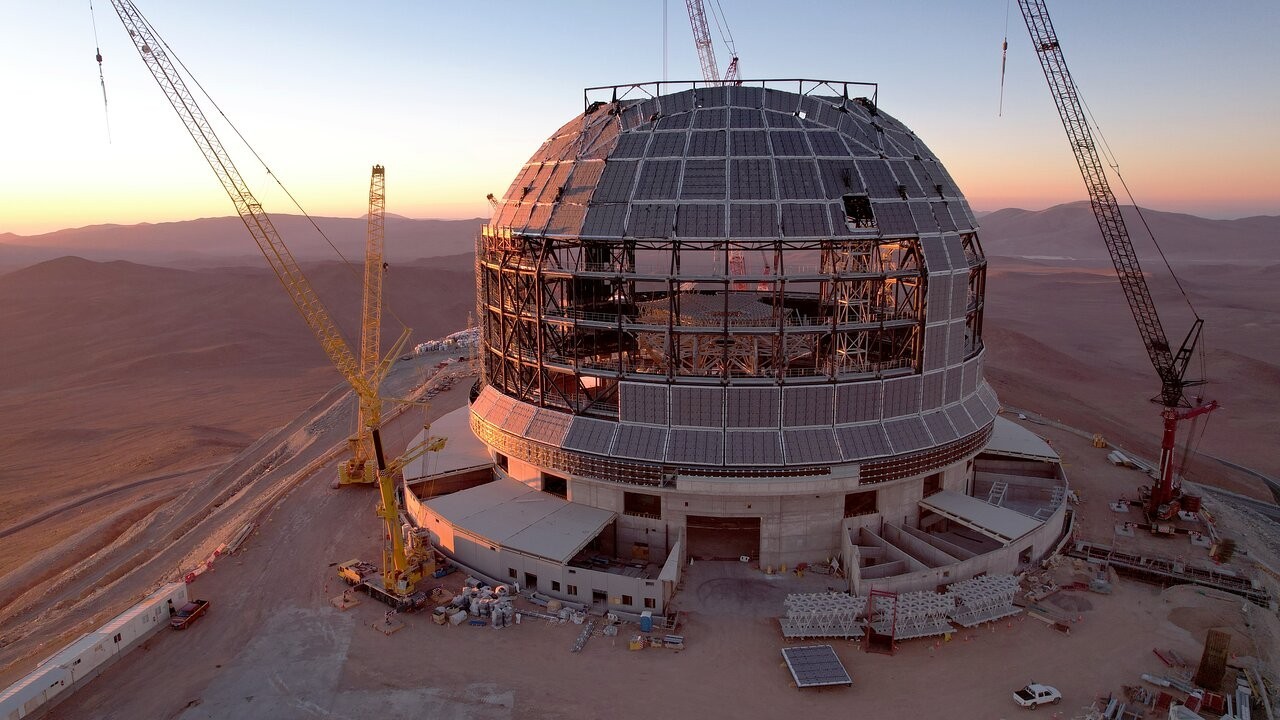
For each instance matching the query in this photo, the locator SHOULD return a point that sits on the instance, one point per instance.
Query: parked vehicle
(1036, 694)
(188, 613)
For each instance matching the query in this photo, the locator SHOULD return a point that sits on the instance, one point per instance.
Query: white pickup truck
(1036, 694)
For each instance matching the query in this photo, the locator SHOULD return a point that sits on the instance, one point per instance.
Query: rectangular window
(860, 503)
(555, 485)
(511, 573)
(572, 590)
(117, 638)
(932, 484)
(650, 603)
(502, 462)
(555, 586)
(858, 213)
(628, 600)
(642, 505)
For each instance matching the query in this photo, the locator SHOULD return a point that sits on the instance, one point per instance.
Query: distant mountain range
(223, 241)
(1060, 234)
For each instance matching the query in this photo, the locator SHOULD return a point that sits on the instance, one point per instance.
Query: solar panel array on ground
(815, 666)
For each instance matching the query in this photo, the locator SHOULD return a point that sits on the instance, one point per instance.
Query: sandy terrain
(273, 647)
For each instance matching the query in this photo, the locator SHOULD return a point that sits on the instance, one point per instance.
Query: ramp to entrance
(999, 524)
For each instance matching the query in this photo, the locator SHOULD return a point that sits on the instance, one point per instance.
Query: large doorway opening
(722, 538)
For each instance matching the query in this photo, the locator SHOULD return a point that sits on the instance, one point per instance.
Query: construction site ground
(272, 645)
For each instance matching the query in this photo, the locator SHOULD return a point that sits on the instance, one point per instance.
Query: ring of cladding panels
(752, 166)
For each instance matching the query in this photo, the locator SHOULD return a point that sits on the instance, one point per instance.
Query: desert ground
(140, 391)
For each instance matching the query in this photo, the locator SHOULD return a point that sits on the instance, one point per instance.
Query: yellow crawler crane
(399, 574)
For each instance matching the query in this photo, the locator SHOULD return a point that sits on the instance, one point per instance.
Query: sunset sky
(453, 98)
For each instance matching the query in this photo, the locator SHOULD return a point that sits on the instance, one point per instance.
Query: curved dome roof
(738, 161)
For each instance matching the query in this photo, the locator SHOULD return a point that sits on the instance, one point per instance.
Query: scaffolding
(918, 614)
(821, 615)
(983, 599)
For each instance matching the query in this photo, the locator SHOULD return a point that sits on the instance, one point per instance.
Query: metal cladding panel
(567, 219)
(539, 216)
(938, 297)
(697, 406)
(804, 220)
(839, 220)
(677, 102)
(951, 391)
(956, 332)
(746, 96)
(643, 403)
(781, 121)
(798, 179)
(641, 442)
(753, 407)
(960, 295)
(839, 177)
(944, 178)
(651, 220)
(924, 175)
(859, 402)
(674, 122)
(963, 214)
(924, 218)
(935, 347)
(902, 396)
(807, 405)
(751, 179)
(605, 220)
(635, 114)
(501, 409)
(940, 427)
(631, 145)
(659, 180)
(907, 179)
(859, 442)
(781, 101)
(753, 447)
(704, 180)
(936, 259)
(588, 435)
(748, 142)
(711, 118)
(616, 181)
(878, 178)
(969, 383)
(700, 221)
(690, 445)
(962, 420)
(827, 143)
(667, 144)
(989, 399)
(977, 408)
(955, 250)
(581, 183)
(857, 130)
(707, 143)
(931, 389)
(745, 118)
(942, 212)
(711, 96)
(790, 143)
(894, 218)
(907, 434)
(549, 427)
(754, 220)
(902, 142)
(811, 446)
(518, 421)
(485, 401)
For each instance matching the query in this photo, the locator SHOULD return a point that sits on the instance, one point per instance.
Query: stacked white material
(918, 614)
(984, 598)
(812, 615)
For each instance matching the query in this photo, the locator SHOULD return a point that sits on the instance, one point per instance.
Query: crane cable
(102, 80)
(717, 13)
(1115, 168)
(1004, 56)
(347, 263)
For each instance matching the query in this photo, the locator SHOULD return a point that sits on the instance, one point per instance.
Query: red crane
(1164, 500)
(707, 53)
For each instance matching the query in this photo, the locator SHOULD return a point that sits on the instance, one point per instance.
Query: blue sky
(454, 98)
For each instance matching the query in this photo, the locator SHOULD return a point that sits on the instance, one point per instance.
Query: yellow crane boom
(397, 574)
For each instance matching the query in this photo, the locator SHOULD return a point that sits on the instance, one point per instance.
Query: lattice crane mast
(706, 50)
(399, 574)
(358, 469)
(1171, 366)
